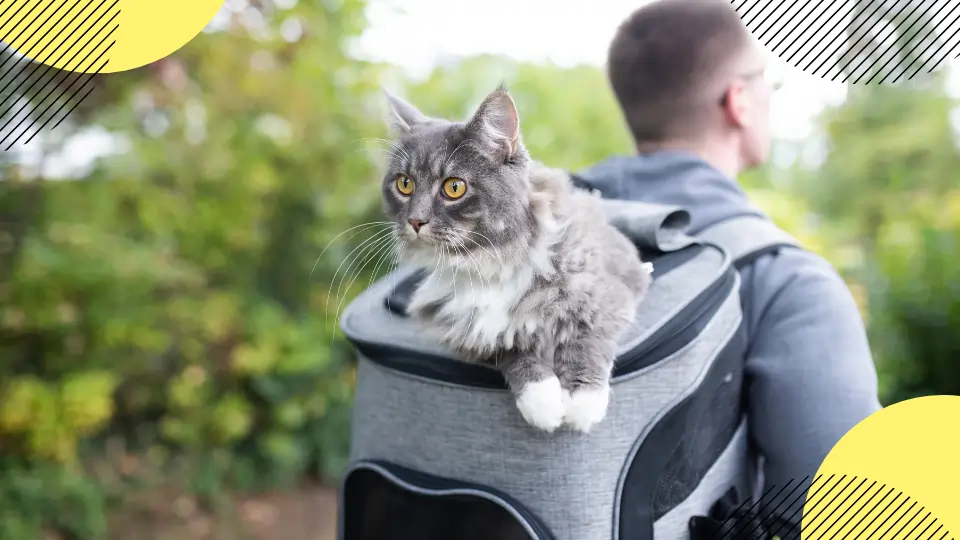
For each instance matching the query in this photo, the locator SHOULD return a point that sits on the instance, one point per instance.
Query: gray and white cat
(526, 271)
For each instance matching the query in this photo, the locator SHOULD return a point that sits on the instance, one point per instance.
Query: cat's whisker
(354, 274)
(393, 144)
(391, 153)
(476, 263)
(376, 252)
(453, 272)
(393, 244)
(395, 151)
(398, 148)
(456, 235)
(442, 259)
(473, 301)
(439, 260)
(391, 247)
(448, 262)
(496, 253)
(473, 289)
(396, 262)
(379, 253)
(350, 260)
(364, 246)
(459, 242)
(372, 250)
(365, 226)
(455, 151)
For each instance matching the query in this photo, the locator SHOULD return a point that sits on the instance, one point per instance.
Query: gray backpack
(434, 439)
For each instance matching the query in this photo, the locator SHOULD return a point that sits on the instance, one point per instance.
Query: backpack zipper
(682, 329)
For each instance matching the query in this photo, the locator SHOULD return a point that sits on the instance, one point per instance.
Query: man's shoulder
(767, 255)
(792, 280)
(794, 265)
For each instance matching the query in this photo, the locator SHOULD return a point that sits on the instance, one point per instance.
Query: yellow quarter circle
(911, 448)
(76, 35)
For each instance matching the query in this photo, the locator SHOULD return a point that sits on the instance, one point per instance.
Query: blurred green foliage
(172, 297)
(171, 301)
(888, 192)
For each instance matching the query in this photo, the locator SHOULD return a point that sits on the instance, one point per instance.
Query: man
(691, 82)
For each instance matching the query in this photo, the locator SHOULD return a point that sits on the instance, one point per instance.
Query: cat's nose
(417, 223)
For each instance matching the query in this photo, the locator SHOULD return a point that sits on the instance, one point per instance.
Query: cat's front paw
(586, 406)
(542, 404)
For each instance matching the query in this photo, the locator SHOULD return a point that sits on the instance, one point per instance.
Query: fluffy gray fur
(526, 271)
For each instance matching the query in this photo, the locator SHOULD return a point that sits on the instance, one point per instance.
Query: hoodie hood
(673, 178)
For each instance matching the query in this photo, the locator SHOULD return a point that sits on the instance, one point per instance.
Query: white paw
(587, 407)
(542, 404)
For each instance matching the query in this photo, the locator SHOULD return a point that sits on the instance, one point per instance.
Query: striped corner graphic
(857, 507)
(74, 34)
(834, 506)
(857, 41)
(774, 515)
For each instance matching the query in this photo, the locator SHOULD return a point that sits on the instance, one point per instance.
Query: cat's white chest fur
(481, 309)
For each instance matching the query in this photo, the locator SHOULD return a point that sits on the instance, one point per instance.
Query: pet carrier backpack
(428, 429)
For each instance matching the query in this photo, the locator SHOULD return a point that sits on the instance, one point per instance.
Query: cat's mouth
(423, 241)
(423, 236)
(445, 238)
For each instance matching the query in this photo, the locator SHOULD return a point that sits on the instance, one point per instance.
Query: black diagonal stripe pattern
(836, 508)
(743, 522)
(857, 41)
(75, 35)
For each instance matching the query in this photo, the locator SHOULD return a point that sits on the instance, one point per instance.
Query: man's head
(688, 72)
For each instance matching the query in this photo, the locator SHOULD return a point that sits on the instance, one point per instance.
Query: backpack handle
(651, 227)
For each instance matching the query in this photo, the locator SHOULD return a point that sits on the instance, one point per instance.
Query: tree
(171, 298)
(884, 190)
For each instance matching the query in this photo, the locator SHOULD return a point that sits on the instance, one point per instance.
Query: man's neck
(726, 162)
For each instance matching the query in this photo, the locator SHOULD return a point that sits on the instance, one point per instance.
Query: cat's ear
(403, 115)
(497, 122)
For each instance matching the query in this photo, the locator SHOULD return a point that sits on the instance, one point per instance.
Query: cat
(526, 273)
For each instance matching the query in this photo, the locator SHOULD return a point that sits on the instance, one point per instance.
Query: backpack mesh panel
(707, 435)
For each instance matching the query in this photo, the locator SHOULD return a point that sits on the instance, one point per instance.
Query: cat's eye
(405, 184)
(454, 188)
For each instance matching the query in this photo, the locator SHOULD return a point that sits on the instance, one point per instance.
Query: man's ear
(736, 105)
(496, 123)
(403, 115)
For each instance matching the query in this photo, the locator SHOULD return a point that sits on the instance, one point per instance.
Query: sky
(415, 34)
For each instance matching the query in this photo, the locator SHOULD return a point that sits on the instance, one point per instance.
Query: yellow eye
(405, 184)
(454, 188)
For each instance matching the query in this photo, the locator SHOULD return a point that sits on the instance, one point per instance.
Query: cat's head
(458, 186)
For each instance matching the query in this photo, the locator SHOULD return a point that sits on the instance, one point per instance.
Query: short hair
(667, 60)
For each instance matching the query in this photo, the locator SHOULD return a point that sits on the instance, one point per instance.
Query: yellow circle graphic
(896, 473)
(104, 36)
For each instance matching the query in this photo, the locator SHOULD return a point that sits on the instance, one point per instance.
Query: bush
(38, 498)
(916, 305)
(171, 297)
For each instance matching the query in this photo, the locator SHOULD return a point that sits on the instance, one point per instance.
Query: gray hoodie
(810, 374)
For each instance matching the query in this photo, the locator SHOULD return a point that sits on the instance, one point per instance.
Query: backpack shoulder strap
(748, 237)
(745, 237)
